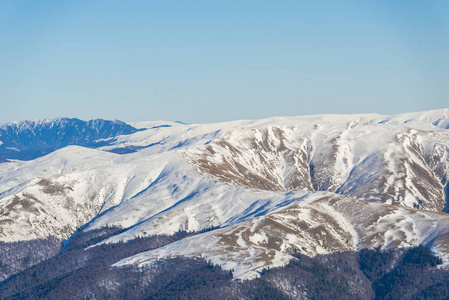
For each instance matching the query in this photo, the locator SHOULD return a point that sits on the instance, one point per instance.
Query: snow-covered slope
(321, 223)
(55, 194)
(312, 183)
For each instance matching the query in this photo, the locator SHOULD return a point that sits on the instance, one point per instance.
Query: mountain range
(250, 194)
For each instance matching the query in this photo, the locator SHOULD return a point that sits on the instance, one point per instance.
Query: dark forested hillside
(25, 254)
(368, 274)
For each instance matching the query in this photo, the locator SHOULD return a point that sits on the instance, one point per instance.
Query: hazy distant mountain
(31, 139)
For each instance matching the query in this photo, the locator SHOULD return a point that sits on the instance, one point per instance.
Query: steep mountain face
(31, 139)
(270, 158)
(269, 188)
(380, 163)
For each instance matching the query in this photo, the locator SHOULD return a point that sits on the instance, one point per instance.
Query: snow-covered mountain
(313, 184)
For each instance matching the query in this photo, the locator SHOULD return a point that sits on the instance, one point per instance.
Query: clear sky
(208, 61)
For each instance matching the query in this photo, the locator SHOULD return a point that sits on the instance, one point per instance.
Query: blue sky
(208, 61)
